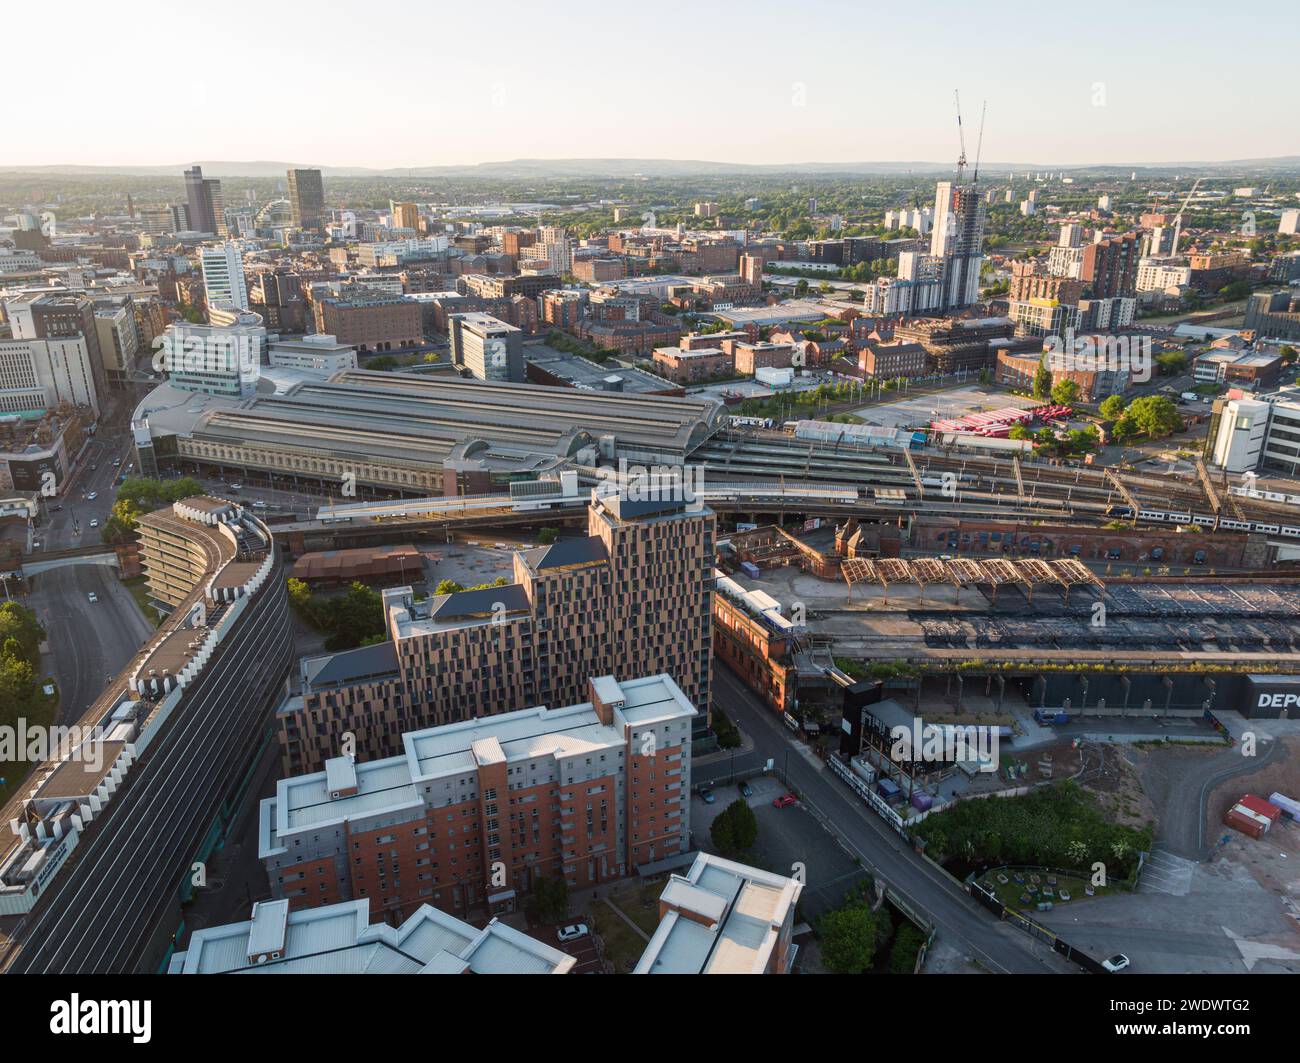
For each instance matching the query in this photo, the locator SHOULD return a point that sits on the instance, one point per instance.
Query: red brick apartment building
(473, 813)
(691, 366)
(632, 598)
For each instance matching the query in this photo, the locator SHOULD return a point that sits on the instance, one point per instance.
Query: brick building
(473, 813)
(369, 320)
(631, 598)
(692, 366)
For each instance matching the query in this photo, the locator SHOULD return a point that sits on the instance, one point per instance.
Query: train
(551, 494)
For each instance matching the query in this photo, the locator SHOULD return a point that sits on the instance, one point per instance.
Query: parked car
(707, 795)
(94, 524)
(785, 801)
(746, 790)
(117, 463)
(92, 496)
(92, 597)
(1116, 963)
(572, 932)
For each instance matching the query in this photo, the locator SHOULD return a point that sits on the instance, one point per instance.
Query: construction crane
(979, 144)
(961, 137)
(1178, 218)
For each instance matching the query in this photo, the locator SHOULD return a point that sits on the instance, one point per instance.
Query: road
(967, 927)
(89, 642)
(65, 519)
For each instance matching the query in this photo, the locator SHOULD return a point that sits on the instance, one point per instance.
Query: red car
(785, 801)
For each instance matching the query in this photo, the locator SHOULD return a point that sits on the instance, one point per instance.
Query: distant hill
(630, 168)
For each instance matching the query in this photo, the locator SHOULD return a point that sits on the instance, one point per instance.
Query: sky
(406, 83)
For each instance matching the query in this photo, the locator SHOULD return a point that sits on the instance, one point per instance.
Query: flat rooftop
(340, 939)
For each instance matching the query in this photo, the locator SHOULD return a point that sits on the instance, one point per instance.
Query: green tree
(735, 828)
(18, 625)
(849, 938)
(1065, 392)
(1019, 431)
(1111, 407)
(448, 586)
(907, 943)
(1154, 416)
(1042, 380)
(550, 899)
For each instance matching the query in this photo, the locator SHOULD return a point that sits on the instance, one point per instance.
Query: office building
(475, 813)
(1289, 223)
(70, 362)
(319, 355)
(205, 205)
(631, 598)
(488, 347)
(217, 359)
(369, 320)
(223, 276)
(306, 199)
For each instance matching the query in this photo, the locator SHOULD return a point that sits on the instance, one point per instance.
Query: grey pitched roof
(476, 603)
(365, 661)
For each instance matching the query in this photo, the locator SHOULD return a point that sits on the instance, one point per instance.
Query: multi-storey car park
(100, 843)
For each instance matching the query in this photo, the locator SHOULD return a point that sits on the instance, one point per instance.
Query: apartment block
(474, 813)
(691, 366)
(633, 597)
(723, 917)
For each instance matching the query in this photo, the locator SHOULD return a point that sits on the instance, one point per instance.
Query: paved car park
(582, 949)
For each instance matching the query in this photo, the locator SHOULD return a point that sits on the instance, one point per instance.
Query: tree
(550, 899)
(1154, 416)
(18, 625)
(907, 943)
(735, 829)
(849, 938)
(547, 536)
(1288, 353)
(448, 586)
(1042, 380)
(1019, 431)
(1065, 392)
(1111, 407)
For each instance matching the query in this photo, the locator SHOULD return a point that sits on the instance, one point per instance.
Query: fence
(1034, 929)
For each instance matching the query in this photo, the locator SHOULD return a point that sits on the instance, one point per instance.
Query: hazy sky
(402, 83)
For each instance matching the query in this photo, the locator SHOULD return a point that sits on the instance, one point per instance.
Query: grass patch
(140, 592)
(43, 710)
(640, 903)
(623, 945)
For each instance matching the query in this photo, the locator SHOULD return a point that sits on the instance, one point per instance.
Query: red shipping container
(1261, 807)
(1234, 819)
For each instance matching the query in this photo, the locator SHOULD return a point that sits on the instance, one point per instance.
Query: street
(89, 642)
(965, 926)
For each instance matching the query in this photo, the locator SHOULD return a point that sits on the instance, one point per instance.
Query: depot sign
(1270, 696)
